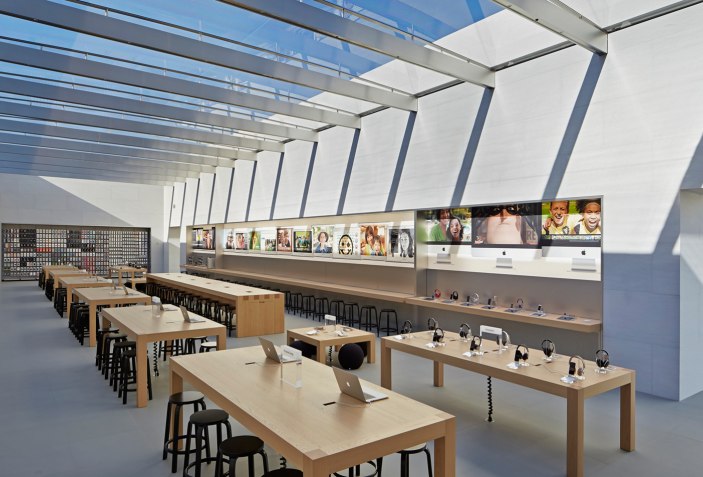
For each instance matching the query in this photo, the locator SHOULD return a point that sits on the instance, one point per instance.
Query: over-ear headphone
(475, 343)
(521, 356)
(464, 331)
(503, 342)
(519, 302)
(454, 295)
(437, 293)
(573, 370)
(407, 328)
(432, 324)
(548, 348)
(602, 358)
(438, 335)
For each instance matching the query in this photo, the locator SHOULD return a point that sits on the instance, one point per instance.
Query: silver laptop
(190, 319)
(350, 385)
(273, 354)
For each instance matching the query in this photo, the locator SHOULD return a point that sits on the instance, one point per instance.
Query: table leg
(176, 385)
(321, 355)
(92, 310)
(574, 432)
(445, 451)
(142, 369)
(221, 340)
(627, 416)
(438, 374)
(371, 356)
(386, 370)
(289, 339)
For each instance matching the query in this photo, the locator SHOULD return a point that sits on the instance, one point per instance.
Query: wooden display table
(541, 376)
(125, 269)
(259, 312)
(318, 429)
(73, 272)
(329, 337)
(139, 324)
(107, 296)
(48, 268)
(584, 325)
(70, 283)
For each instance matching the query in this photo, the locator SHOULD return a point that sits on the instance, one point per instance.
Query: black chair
(238, 447)
(173, 412)
(198, 425)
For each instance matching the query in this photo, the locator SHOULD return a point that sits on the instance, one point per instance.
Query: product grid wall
(569, 124)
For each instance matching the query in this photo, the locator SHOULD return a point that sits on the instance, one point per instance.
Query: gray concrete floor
(60, 418)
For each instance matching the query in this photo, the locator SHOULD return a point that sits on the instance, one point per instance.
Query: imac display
(268, 240)
(445, 226)
(241, 240)
(204, 239)
(346, 242)
(283, 240)
(506, 225)
(229, 239)
(372, 240)
(572, 223)
(323, 238)
(255, 241)
(302, 241)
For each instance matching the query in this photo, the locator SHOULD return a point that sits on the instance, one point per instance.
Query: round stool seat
(186, 397)
(207, 346)
(241, 446)
(350, 356)
(284, 473)
(208, 416)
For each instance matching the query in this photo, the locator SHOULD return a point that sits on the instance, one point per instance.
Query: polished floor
(58, 417)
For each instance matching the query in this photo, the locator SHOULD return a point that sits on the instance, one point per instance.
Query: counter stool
(100, 344)
(322, 308)
(287, 300)
(349, 312)
(49, 289)
(366, 317)
(308, 306)
(60, 301)
(207, 346)
(376, 468)
(240, 446)
(174, 348)
(405, 459)
(284, 473)
(175, 406)
(229, 317)
(128, 374)
(189, 347)
(337, 309)
(118, 349)
(201, 421)
(109, 340)
(296, 303)
(388, 313)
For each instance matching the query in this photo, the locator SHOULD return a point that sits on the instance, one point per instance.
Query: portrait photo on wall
(254, 241)
(284, 241)
(302, 241)
(241, 240)
(197, 240)
(572, 222)
(268, 240)
(323, 238)
(204, 239)
(446, 226)
(229, 239)
(506, 225)
(346, 242)
(372, 240)
(402, 244)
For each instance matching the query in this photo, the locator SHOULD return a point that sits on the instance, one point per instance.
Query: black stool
(308, 306)
(388, 313)
(405, 459)
(322, 308)
(366, 316)
(100, 344)
(128, 374)
(284, 473)
(296, 303)
(207, 346)
(118, 349)
(241, 446)
(337, 309)
(376, 468)
(202, 420)
(176, 403)
(349, 312)
(109, 340)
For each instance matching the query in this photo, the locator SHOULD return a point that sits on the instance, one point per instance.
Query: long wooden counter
(259, 312)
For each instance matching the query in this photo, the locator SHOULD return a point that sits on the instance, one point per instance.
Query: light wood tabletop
(72, 282)
(48, 268)
(259, 312)
(322, 337)
(540, 375)
(318, 429)
(122, 269)
(107, 296)
(72, 272)
(140, 325)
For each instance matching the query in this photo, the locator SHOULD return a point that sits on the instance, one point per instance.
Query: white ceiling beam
(335, 26)
(56, 114)
(161, 111)
(70, 173)
(47, 60)
(178, 149)
(562, 21)
(89, 23)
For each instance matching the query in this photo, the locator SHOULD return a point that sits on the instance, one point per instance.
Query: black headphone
(432, 324)
(438, 335)
(407, 328)
(573, 371)
(520, 302)
(464, 331)
(454, 295)
(602, 358)
(475, 344)
(499, 339)
(548, 348)
(521, 355)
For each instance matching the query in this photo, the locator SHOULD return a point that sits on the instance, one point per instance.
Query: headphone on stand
(437, 293)
(573, 370)
(464, 331)
(519, 303)
(407, 328)
(602, 360)
(503, 342)
(475, 343)
(438, 335)
(548, 348)
(432, 324)
(521, 355)
(454, 295)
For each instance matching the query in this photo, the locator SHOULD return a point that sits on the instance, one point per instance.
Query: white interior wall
(176, 212)
(205, 193)
(220, 195)
(189, 203)
(264, 185)
(59, 201)
(240, 191)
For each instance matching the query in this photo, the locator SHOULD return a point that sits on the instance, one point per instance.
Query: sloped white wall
(223, 182)
(205, 192)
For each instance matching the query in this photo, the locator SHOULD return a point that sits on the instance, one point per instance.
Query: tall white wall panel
(264, 185)
(191, 195)
(296, 161)
(202, 213)
(176, 212)
(240, 191)
(223, 181)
